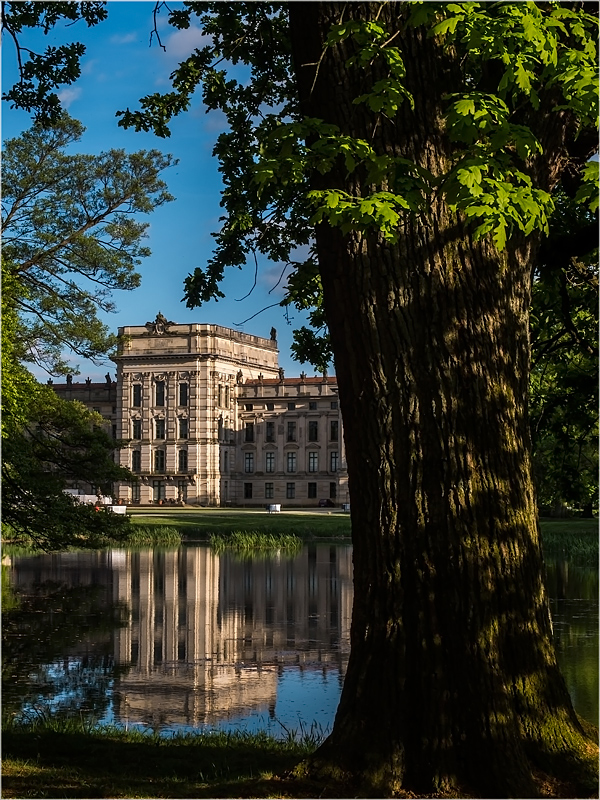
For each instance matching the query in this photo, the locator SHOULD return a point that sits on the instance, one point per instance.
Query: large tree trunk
(452, 681)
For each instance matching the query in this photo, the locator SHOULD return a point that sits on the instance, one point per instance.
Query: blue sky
(118, 68)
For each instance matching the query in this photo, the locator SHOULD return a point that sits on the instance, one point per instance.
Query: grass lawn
(573, 539)
(576, 538)
(56, 760)
(198, 524)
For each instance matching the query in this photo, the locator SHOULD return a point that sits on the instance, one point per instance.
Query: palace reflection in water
(207, 636)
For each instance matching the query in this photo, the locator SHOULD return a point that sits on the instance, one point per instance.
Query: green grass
(250, 541)
(201, 524)
(52, 758)
(573, 539)
(154, 536)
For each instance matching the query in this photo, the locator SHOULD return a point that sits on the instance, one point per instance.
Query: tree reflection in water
(573, 590)
(179, 639)
(57, 650)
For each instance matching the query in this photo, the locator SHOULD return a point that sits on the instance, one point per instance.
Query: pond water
(186, 639)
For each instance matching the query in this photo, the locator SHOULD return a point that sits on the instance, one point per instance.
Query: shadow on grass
(115, 764)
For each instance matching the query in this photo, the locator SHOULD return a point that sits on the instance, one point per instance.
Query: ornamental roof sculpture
(160, 326)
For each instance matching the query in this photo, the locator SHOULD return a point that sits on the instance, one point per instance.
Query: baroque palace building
(210, 419)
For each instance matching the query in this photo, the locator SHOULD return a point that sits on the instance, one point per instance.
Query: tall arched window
(183, 461)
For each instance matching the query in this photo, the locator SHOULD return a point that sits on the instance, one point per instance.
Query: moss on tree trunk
(452, 683)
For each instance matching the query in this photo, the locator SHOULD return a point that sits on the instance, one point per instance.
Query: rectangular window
(291, 406)
(136, 461)
(268, 491)
(183, 428)
(333, 461)
(312, 405)
(114, 431)
(334, 405)
(249, 406)
(159, 427)
(159, 393)
(248, 462)
(247, 491)
(291, 462)
(270, 406)
(332, 490)
(183, 461)
(249, 432)
(290, 491)
(159, 461)
(334, 430)
(269, 462)
(312, 490)
(158, 490)
(137, 395)
(270, 432)
(313, 431)
(291, 431)
(135, 492)
(183, 394)
(136, 427)
(313, 462)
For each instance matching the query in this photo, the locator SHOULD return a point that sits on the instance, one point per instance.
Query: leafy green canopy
(564, 375)
(47, 442)
(41, 73)
(523, 64)
(71, 237)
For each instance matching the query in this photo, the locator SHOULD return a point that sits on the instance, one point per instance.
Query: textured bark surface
(452, 682)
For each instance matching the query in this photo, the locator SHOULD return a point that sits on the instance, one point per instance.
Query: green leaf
(465, 107)
(447, 25)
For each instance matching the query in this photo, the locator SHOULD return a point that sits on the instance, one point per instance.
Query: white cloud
(124, 38)
(181, 43)
(68, 96)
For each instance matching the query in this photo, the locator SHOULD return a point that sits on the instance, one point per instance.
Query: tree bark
(452, 682)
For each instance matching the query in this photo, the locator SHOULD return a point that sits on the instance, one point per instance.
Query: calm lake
(185, 639)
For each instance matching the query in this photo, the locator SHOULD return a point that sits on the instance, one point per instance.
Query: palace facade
(210, 419)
